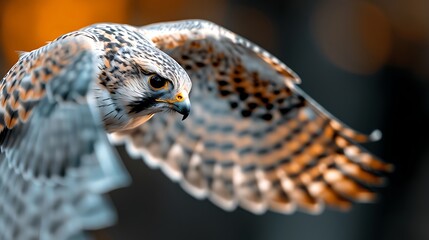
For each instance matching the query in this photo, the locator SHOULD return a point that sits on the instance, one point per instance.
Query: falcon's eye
(157, 82)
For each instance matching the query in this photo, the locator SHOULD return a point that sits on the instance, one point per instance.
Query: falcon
(254, 139)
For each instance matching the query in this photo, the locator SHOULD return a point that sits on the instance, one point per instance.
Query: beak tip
(183, 108)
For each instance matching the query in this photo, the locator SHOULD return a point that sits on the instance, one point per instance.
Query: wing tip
(286, 209)
(313, 209)
(255, 207)
(171, 173)
(226, 205)
(198, 193)
(376, 135)
(389, 167)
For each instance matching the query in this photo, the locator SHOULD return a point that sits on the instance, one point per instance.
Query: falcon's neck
(114, 116)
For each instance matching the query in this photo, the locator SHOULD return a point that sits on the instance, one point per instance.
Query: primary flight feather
(253, 138)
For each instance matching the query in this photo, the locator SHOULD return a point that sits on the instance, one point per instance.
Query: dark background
(367, 62)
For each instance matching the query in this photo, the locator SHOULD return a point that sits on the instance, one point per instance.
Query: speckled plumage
(254, 139)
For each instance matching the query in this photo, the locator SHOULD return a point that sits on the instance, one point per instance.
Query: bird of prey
(254, 139)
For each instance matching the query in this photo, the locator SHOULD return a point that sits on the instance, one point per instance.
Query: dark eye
(157, 82)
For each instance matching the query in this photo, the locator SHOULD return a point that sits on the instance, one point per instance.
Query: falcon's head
(159, 93)
(142, 80)
(157, 84)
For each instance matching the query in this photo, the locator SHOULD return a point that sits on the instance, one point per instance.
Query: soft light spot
(353, 35)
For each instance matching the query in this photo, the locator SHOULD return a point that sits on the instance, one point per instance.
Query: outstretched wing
(55, 159)
(253, 138)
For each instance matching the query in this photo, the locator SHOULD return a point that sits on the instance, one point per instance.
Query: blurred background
(367, 62)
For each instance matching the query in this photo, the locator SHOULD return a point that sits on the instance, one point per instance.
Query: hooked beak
(180, 104)
(182, 107)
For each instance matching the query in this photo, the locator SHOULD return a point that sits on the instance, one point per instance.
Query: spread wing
(253, 138)
(55, 159)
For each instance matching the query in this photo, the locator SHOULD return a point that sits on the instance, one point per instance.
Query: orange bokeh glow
(27, 25)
